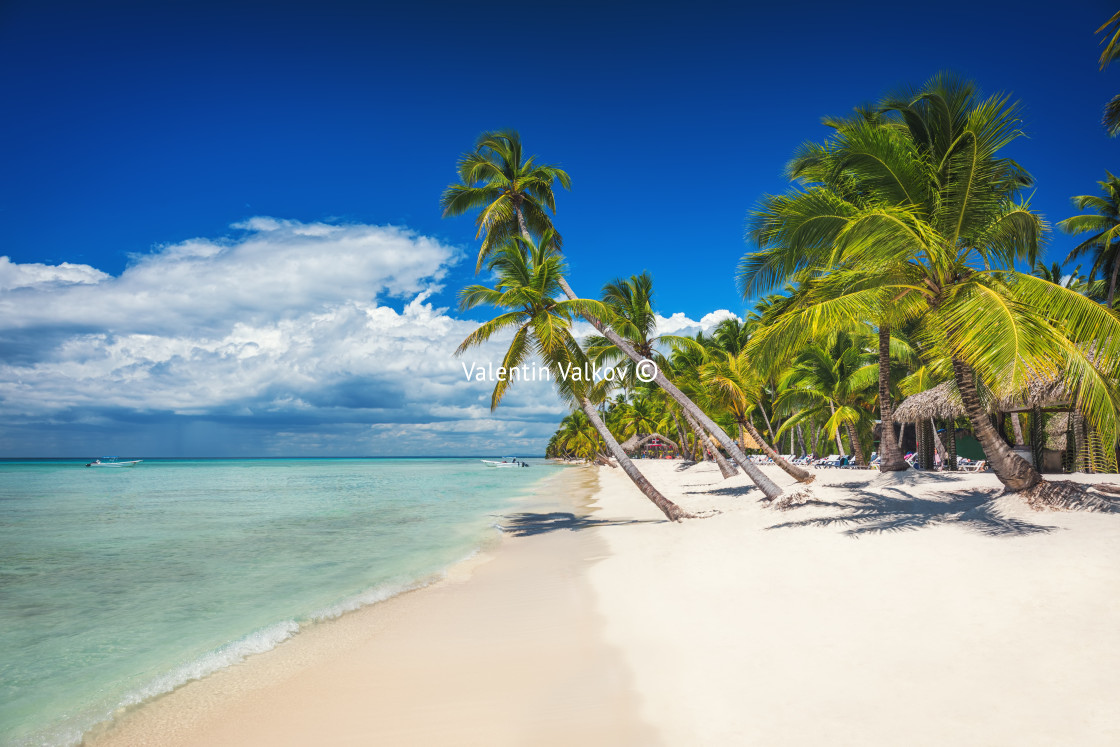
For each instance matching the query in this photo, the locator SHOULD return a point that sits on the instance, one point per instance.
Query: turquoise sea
(118, 584)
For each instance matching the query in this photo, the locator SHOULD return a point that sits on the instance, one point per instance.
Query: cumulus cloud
(39, 275)
(285, 338)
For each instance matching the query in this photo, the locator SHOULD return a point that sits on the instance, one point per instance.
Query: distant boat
(114, 462)
(506, 462)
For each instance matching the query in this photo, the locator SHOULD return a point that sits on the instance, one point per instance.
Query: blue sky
(185, 181)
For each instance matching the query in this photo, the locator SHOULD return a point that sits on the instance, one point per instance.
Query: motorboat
(507, 462)
(113, 461)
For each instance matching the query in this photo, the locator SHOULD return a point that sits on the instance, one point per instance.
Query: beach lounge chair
(979, 466)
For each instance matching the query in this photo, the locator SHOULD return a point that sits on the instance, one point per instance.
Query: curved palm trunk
(1011, 469)
(857, 447)
(672, 511)
(891, 458)
(797, 473)
(768, 487)
(725, 469)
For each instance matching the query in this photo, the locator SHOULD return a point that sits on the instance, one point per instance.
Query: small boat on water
(113, 461)
(507, 462)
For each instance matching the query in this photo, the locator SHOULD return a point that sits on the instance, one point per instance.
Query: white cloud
(39, 275)
(679, 324)
(279, 341)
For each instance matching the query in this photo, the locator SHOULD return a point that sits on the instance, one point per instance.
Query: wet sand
(508, 650)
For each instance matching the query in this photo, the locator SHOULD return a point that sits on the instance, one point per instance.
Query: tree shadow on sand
(732, 491)
(876, 513)
(527, 524)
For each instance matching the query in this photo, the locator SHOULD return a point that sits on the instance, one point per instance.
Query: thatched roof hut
(635, 444)
(943, 402)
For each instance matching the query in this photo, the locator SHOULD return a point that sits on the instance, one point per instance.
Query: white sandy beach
(931, 620)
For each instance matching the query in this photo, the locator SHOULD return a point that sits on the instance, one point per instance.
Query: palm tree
(512, 194)
(528, 279)
(512, 206)
(631, 300)
(737, 386)
(1111, 41)
(913, 217)
(1104, 225)
(833, 382)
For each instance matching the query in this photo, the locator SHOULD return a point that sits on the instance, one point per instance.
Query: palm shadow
(731, 491)
(875, 513)
(527, 524)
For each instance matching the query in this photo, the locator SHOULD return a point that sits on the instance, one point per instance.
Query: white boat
(507, 462)
(114, 462)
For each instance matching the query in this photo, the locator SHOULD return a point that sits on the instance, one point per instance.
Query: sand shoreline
(916, 610)
(501, 652)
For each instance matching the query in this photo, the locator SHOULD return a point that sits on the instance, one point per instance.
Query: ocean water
(117, 585)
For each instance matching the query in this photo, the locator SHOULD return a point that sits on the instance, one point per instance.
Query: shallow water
(120, 584)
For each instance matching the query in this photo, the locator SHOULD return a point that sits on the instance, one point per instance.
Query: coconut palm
(1111, 42)
(912, 216)
(631, 299)
(575, 437)
(737, 387)
(528, 275)
(512, 194)
(1104, 225)
(510, 206)
(834, 382)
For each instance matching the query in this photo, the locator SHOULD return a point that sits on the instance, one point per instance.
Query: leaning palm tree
(511, 206)
(1104, 225)
(920, 219)
(528, 276)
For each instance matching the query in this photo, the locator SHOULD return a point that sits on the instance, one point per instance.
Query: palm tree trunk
(890, 460)
(725, 469)
(857, 447)
(1011, 469)
(839, 442)
(1016, 429)
(1112, 282)
(681, 437)
(801, 440)
(672, 511)
(768, 487)
(813, 439)
(766, 420)
(797, 473)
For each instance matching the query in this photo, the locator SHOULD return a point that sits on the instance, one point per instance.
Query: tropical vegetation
(890, 267)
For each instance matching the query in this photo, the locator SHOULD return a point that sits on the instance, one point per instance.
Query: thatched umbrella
(943, 402)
